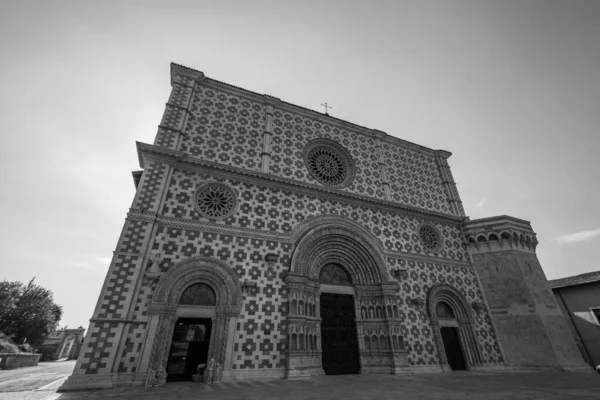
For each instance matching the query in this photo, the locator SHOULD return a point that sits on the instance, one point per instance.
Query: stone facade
(253, 196)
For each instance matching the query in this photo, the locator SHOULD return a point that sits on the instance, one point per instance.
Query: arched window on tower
(333, 274)
(198, 294)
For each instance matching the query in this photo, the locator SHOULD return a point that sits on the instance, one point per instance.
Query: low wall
(12, 361)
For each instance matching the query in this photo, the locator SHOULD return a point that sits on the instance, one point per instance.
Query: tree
(27, 312)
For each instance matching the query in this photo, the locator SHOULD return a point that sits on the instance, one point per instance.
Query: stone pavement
(447, 386)
(23, 383)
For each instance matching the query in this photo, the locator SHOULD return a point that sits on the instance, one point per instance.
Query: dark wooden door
(453, 349)
(338, 335)
(189, 348)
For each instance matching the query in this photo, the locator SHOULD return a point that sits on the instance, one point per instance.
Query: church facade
(284, 243)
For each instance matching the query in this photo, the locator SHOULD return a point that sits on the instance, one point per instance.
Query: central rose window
(329, 163)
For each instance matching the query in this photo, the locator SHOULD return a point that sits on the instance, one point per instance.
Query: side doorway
(454, 352)
(189, 348)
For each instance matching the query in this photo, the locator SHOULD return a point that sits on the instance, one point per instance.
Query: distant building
(63, 344)
(579, 299)
(286, 243)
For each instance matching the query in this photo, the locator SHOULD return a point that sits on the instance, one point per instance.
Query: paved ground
(34, 382)
(447, 386)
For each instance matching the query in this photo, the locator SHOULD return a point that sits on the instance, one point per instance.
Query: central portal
(338, 334)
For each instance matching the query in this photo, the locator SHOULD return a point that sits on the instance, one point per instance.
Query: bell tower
(530, 325)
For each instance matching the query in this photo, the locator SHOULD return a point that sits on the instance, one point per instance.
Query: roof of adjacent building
(575, 280)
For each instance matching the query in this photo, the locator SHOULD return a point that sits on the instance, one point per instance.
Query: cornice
(201, 79)
(497, 224)
(178, 159)
(212, 227)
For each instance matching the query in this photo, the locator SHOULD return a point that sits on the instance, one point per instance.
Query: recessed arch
(334, 239)
(164, 310)
(214, 273)
(198, 294)
(465, 321)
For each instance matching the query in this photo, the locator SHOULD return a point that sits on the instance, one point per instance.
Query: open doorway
(454, 353)
(338, 335)
(189, 347)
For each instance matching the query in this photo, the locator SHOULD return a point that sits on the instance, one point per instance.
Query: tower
(530, 325)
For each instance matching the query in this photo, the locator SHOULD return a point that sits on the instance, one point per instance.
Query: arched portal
(453, 327)
(338, 262)
(198, 292)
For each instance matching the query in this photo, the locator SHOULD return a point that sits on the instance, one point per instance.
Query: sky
(511, 88)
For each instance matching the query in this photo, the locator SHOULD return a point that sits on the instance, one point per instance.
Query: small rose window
(215, 200)
(430, 239)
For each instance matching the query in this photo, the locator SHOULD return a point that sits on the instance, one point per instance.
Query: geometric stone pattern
(291, 133)
(97, 352)
(132, 349)
(260, 209)
(415, 179)
(277, 211)
(262, 333)
(419, 338)
(225, 129)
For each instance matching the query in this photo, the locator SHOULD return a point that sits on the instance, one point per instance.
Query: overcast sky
(511, 88)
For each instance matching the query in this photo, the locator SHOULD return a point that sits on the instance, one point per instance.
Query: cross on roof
(326, 107)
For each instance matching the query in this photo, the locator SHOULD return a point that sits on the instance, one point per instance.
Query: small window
(333, 274)
(198, 294)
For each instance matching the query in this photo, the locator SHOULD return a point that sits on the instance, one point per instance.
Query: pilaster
(441, 158)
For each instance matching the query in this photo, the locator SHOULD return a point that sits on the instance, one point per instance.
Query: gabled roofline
(200, 78)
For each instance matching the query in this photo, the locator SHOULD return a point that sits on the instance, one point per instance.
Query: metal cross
(326, 107)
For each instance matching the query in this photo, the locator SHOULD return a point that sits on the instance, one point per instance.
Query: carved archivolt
(337, 240)
(217, 274)
(165, 301)
(445, 293)
(334, 240)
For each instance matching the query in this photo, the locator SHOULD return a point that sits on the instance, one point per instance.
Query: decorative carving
(333, 274)
(477, 306)
(400, 274)
(430, 238)
(271, 259)
(250, 287)
(329, 163)
(443, 310)
(156, 377)
(153, 271)
(417, 302)
(198, 294)
(215, 200)
(210, 371)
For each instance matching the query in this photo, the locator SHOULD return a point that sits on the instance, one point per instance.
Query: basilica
(275, 242)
